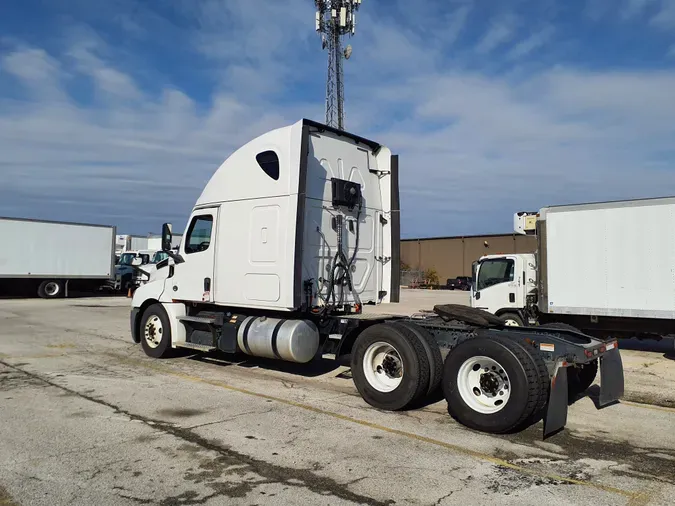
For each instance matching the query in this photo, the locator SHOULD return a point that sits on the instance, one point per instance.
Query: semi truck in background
(603, 268)
(49, 258)
(292, 236)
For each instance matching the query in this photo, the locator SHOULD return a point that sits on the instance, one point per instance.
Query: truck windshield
(126, 258)
(495, 271)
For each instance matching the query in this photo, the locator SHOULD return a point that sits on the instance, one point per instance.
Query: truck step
(195, 346)
(197, 319)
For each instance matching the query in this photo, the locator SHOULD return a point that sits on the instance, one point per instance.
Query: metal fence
(412, 278)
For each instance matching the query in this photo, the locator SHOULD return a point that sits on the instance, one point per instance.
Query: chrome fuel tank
(289, 340)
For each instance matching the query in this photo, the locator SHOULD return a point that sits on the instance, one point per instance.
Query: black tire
(163, 348)
(50, 289)
(433, 354)
(513, 317)
(413, 357)
(544, 382)
(579, 378)
(524, 384)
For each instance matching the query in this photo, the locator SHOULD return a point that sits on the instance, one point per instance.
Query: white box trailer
(298, 230)
(606, 268)
(52, 257)
(613, 259)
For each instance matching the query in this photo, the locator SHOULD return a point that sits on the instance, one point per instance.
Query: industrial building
(453, 256)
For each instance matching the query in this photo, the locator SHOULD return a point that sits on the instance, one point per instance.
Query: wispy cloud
(635, 8)
(532, 43)
(502, 30)
(127, 129)
(665, 17)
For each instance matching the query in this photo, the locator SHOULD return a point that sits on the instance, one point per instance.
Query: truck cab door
(193, 279)
(497, 284)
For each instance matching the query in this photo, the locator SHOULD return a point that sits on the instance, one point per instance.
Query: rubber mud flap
(611, 378)
(556, 412)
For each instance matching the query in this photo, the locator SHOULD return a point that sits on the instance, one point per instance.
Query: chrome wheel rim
(383, 367)
(153, 331)
(484, 385)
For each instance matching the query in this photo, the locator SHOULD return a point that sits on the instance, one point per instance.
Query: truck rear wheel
(50, 289)
(544, 382)
(390, 367)
(580, 377)
(156, 332)
(433, 354)
(491, 385)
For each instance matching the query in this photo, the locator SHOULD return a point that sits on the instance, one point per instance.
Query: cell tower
(334, 20)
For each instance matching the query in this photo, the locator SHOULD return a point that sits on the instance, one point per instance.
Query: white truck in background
(603, 268)
(296, 232)
(48, 258)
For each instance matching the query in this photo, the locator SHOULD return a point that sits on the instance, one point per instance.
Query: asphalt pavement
(86, 418)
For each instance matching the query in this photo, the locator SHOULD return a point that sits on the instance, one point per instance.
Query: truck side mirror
(166, 237)
(136, 261)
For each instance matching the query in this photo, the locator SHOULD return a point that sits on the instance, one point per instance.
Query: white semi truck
(293, 235)
(603, 268)
(49, 258)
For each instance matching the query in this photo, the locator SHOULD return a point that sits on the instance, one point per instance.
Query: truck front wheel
(50, 289)
(512, 320)
(156, 332)
(390, 367)
(491, 385)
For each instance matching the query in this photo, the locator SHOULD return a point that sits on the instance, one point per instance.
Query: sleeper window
(269, 163)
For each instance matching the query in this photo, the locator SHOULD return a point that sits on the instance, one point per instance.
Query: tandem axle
(495, 378)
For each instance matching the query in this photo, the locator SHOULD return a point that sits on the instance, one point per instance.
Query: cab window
(494, 272)
(199, 234)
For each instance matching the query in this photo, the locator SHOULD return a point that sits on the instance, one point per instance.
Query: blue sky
(119, 111)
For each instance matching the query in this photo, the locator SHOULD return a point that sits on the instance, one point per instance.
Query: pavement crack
(440, 500)
(138, 500)
(273, 473)
(230, 418)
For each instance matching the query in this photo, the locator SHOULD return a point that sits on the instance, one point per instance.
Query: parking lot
(86, 418)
